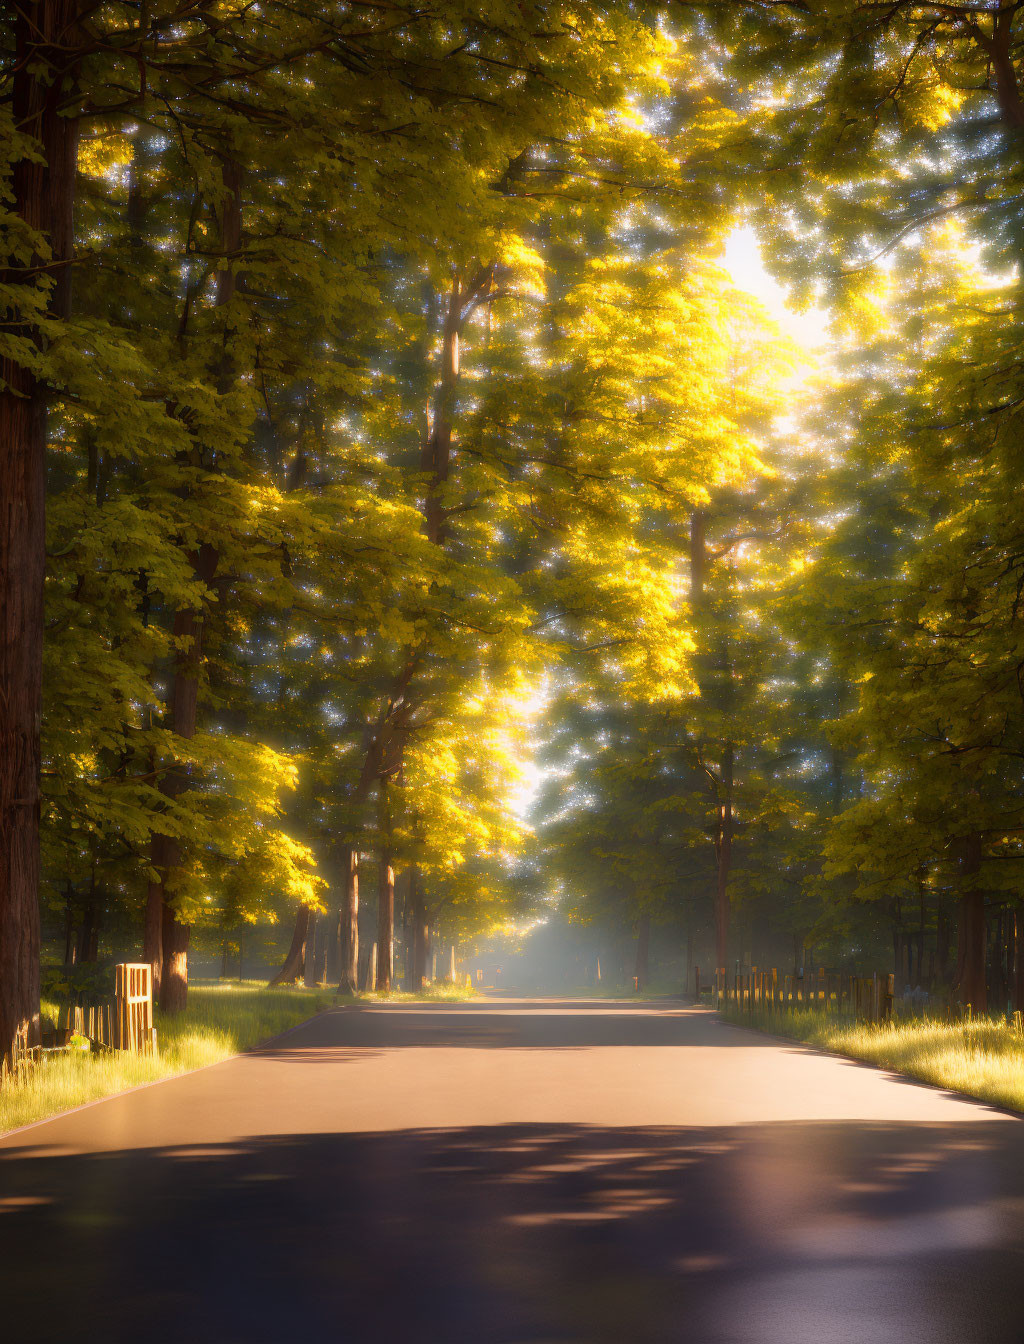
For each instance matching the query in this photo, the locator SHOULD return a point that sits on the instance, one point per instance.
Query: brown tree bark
(349, 982)
(724, 848)
(295, 961)
(314, 936)
(165, 856)
(45, 60)
(999, 48)
(87, 948)
(385, 894)
(641, 966)
(386, 924)
(70, 947)
(1018, 959)
(176, 937)
(724, 782)
(165, 852)
(698, 557)
(435, 456)
(420, 932)
(971, 986)
(152, 929)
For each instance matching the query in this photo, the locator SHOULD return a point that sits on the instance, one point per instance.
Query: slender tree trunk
(89, 930)
(153, 925)
(943, 941)
(724, 802)
(1018, 959)
(386, 924)
(43, 193)
(174, 991)
(165, 852)
(641, 966)
(971, 986)
(725, 826)
(420, 932)
(295, 961)
(385, 893)
(999, 984)
(69, 928)
(349, 982)
(309, 951)
(188, 633)
(999, 48)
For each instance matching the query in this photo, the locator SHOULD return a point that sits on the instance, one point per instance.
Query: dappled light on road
(262, 1179)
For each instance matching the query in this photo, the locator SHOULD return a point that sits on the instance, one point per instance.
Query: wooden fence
(133, 1007)
(868, 998)
(124, 1024)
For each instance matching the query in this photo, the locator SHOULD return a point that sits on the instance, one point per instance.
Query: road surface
(518, 1172)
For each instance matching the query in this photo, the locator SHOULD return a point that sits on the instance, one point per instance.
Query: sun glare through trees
(517, 494)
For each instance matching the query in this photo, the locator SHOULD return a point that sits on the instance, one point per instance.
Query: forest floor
(222, 1019)
(980, 1057)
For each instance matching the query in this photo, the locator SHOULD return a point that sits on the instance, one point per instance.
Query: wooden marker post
(133, 1007)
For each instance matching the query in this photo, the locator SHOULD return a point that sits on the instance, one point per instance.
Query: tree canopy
(382, 430)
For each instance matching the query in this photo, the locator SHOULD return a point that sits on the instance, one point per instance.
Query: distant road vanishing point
(518, 1171)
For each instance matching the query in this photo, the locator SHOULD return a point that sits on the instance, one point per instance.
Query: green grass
(437, 993)
(660, 989)
(981, 1057)
(221, 1020)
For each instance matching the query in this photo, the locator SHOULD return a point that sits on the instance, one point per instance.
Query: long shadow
(560, 1027)
(547, 1234)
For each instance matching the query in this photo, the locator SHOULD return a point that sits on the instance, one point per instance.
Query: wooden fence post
(133, 1007)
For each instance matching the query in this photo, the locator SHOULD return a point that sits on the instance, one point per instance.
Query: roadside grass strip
(980, 1057)
(437, 993)
(221, 1019)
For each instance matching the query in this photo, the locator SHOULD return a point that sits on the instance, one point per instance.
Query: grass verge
(220, 1020)
(660, 989)
(439, 993)
(981, 1057)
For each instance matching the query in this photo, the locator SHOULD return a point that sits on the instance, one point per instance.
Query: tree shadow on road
(328, 1040)
(553, 1234)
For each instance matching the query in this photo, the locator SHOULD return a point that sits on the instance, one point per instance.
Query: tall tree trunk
(188, 632)
(420, 932)
(385, 893)
(943, 940)
(971, 987)
(724, 847)
(386, 924)
(1018, 959)
(349, 982)
(295, 961)
(641, 966)
(313, 935)
(165, 851)
(724, 782)
(153, 920)
(999, 985)
(174, 988)
(70, 949)
(45, 60)
(89, 930)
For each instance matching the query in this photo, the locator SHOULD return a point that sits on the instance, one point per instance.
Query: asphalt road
(518, 1172)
